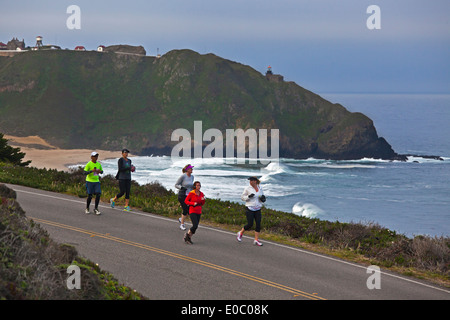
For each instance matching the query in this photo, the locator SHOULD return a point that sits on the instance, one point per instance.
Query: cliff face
(108, 101)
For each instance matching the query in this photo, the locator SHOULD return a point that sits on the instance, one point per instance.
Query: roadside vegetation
(421, 256)
(34, 267)
(10, 154)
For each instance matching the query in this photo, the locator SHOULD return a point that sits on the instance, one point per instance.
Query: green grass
(361, 242)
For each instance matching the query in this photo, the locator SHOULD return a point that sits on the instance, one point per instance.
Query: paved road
(147, 253)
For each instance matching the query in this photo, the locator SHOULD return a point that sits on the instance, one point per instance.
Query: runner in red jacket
(195, 200)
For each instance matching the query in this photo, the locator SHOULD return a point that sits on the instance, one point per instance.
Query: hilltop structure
(13, 47)
(273, 77)
(38, 42)
(15, 44)
(40, 46)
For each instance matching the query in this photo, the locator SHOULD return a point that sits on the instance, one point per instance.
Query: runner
(184, 183)
(195, 199)
(253, 196)
(92, 171)
(124, 177)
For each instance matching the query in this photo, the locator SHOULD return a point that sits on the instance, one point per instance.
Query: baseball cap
(94, 154)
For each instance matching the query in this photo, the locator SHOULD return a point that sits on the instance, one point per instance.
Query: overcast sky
(322, 45)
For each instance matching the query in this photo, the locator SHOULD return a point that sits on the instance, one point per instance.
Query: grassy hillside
(108, 101)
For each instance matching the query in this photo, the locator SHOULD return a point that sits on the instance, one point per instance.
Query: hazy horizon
(324, 46)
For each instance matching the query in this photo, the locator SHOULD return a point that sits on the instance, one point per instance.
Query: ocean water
(410, 197)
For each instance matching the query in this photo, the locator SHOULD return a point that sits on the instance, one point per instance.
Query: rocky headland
(107, 101)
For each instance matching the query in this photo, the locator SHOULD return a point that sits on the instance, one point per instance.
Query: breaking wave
(307, 210)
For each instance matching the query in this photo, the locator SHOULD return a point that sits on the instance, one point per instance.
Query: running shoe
(257, 243)
(86, 211)
(127, 208)
(182, 227)
(111, 201)
(187, 238)
(96, 212)
(239, 236)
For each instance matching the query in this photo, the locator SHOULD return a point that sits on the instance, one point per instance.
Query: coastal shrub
(431, 253)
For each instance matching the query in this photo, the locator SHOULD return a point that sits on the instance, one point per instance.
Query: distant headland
(123, 97)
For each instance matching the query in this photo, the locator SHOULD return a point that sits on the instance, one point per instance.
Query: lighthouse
(273, 77)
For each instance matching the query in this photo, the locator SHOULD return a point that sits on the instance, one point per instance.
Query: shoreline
(44, 155)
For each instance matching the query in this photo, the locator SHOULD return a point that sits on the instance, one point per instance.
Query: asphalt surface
(147, 253)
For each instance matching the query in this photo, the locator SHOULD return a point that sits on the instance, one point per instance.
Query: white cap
(93, 154)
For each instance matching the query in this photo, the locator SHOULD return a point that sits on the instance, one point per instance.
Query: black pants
(89, 198)
(124, 187)
(253, 215)
(195, 218)
(181, 198)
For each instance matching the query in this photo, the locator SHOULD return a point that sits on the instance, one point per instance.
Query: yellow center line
(107, 236)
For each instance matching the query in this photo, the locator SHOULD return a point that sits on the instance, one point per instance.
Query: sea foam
(307, 210)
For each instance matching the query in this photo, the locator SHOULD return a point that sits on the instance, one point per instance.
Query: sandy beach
(44, 155)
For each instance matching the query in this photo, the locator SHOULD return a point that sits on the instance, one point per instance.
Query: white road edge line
(228, 232)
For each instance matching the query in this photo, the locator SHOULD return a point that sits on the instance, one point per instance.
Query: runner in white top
(254, 197)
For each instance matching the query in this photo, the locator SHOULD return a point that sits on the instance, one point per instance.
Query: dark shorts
(253, 215)
(93, 187)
